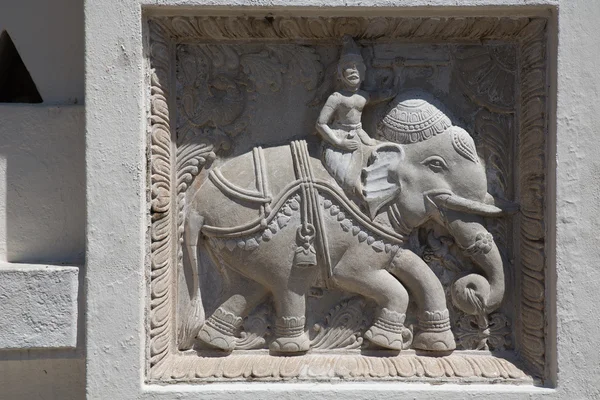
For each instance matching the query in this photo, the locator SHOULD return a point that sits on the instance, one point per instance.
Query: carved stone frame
(169, 178)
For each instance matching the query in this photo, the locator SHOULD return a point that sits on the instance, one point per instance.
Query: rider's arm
(326, 115)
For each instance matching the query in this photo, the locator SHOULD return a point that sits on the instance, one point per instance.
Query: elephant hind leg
(221, 328)
(388, 328)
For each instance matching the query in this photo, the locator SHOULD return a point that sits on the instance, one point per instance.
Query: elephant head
(433, 172)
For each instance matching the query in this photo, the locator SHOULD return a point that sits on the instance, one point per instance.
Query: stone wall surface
(52, 210)
(42, 211)
(572, 365)
(41, 303)
(29, 377)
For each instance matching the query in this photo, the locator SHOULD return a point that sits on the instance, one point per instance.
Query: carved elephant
(251, 215)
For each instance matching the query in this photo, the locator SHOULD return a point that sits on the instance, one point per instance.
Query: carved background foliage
(210, 80)
(488, 75)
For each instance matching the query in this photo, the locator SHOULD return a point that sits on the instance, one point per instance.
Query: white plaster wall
(42, 220)
(116, 164)
(578, 200)
(42, 185)
(39, 304)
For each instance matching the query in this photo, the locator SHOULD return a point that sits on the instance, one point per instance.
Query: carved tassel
(305, 254)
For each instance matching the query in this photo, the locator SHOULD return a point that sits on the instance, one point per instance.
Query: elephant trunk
(476, 294)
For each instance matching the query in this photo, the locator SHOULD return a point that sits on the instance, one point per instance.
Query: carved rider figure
(339, 123)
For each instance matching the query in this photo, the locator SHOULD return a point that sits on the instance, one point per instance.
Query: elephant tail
(193, 317)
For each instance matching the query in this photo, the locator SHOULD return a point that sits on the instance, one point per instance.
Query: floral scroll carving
(207, 78)
(218, 84)
(161, 260)
(277, 27)
(494, 334)
(342, 327)
(532, 155)
(346, 367)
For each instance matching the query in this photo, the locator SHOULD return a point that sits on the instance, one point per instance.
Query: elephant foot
(435, 334)
(388, 330)
(291, 336)
(435, 341)
(219, 330)
(290, 344)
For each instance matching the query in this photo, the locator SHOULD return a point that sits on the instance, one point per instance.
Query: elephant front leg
(289, 297)
(290, 332)
(359, 271)
(434, 332)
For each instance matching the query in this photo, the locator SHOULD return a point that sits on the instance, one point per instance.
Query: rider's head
(351, 67)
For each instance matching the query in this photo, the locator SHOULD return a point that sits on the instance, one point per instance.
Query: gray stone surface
(117, 138)
(357, 239)
(39, 306)
(45, 377)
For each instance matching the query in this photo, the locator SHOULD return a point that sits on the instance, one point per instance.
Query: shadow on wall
(42, 175)
(16, 85)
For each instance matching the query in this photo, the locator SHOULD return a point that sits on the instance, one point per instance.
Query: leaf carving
(209, 98)
(195, 149)
(343, 326)
(326, 85)
(256, 327)
(488, 74)
(263, 70)
(303, 65)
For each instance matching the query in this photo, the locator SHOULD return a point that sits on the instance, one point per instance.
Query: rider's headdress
(350, 52)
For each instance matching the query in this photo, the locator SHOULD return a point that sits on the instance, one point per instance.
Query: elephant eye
(436, 164)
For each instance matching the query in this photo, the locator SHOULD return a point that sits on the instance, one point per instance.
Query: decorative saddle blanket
(310, 190)
(270, 204)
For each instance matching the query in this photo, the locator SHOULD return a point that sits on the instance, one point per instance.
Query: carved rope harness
(312, 228)
(310, 213)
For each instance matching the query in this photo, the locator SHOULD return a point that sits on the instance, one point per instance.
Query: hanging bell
(305, 257)
(305, 254)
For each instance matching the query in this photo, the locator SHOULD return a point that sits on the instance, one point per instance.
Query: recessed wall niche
(346, 198)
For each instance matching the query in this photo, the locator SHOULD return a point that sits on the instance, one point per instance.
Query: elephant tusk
(457, 203)
(507, 206)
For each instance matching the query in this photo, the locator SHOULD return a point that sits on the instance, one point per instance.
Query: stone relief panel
(326, 189)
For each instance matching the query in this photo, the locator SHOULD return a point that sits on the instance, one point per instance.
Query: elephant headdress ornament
(413, 116)
(250, 210)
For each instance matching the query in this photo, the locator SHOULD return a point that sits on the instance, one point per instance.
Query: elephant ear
(379, 178)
